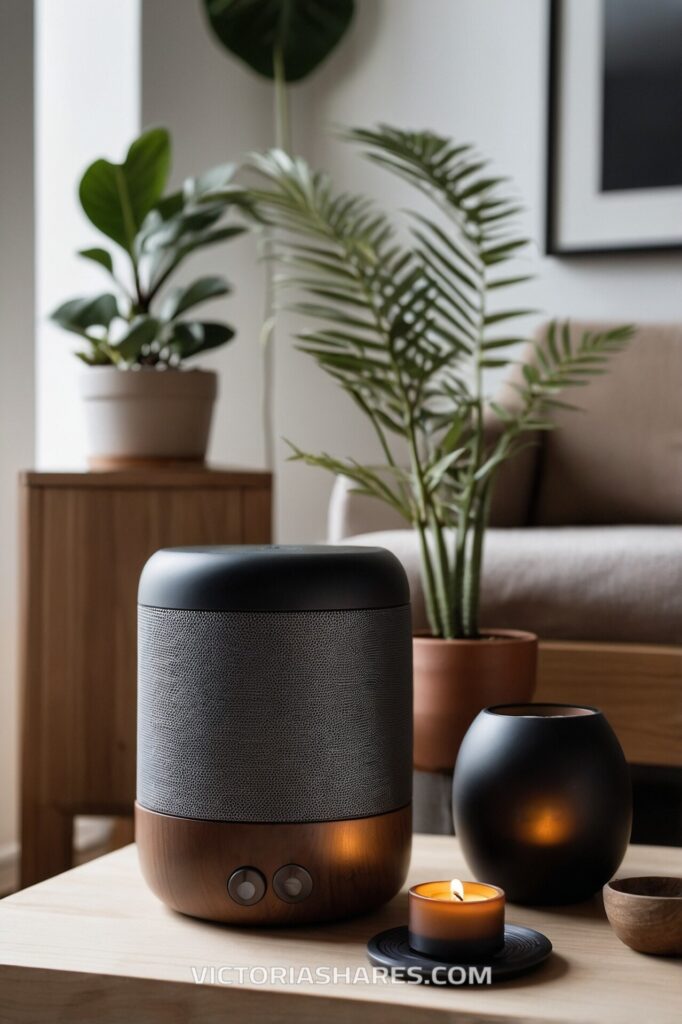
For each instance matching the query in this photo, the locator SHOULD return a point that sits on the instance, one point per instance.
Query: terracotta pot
(455, 679)
(144, 416)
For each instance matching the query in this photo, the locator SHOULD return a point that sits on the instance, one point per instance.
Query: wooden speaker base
(356, 865)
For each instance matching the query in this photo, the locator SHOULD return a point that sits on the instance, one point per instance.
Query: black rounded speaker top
(273, 578)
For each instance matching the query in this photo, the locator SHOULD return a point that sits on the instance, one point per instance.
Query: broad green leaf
(434, 474)
(205, 238)
(95, 357)
(304, 32)
(169, 205)
(190, 338)
(188, 245)
(77, 315)
(142, 332)
(117, 197)
(101, 256)
(210, 181)
(182, 225)
(199, 291)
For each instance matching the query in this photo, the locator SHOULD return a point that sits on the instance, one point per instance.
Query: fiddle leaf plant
(285, 41)
(142, 321)
(405, 323)
(296, 34)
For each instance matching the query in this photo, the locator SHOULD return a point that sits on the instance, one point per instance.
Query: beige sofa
(585, 545)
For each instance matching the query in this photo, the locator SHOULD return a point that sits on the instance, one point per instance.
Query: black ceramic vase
(542, 801)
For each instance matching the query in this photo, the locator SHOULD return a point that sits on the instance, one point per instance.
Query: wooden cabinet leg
(46, 843)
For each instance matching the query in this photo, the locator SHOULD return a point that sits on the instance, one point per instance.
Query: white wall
(474, 70)
(87, 105)
(215, 113)
(478, 71)
(86, 93)
(16, 361)
(218, 110)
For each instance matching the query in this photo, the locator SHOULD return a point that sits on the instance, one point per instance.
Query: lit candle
(455, 920)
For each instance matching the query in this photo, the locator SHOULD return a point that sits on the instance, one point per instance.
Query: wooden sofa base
(637, 686)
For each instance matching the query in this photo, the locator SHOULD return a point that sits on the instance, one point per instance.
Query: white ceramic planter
(145, 415)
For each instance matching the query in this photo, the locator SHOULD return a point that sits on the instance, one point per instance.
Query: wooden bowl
(646, 913)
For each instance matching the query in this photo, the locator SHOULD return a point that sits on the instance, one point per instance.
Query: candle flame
(457, 890)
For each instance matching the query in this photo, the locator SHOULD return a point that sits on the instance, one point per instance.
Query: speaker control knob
(292, 883)
(246, 886)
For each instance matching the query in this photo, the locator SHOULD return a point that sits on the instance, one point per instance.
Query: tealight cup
(468, 927)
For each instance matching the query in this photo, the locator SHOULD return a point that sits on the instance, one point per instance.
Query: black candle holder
(523, 950)
(542, 801)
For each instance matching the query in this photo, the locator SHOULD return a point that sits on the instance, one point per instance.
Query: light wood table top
(94, 944)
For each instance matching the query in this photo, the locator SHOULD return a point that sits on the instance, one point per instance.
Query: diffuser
(274, 731)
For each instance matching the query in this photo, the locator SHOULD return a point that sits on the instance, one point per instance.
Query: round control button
(292, 883)
(292, 886)
(246, 886)
(246, 891)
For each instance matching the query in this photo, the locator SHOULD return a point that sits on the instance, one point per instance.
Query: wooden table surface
(94, 945)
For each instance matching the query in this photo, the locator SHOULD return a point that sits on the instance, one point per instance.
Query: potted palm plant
(407, 323)
(141, 403)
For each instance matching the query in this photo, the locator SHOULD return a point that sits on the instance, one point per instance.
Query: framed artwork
(614, 180)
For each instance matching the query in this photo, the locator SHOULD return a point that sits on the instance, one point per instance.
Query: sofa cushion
(617, 583)
(620, 459)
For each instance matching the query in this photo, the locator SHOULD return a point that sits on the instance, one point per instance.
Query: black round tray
(523, 949)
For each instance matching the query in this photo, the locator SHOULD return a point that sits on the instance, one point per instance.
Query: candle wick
(458, 897)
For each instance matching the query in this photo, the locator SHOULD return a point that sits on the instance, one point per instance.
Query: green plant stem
(160, 281)
(408, 511)
(435, 582)
(443, 575)
(282, 124)
(429, 580)
(468, 554)
(457, 577)
(472, 580)
(267, 354)
(282, 141)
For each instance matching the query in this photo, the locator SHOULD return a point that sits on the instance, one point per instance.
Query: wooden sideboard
(84, 539)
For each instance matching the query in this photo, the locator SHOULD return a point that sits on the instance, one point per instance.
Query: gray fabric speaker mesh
(274, 716)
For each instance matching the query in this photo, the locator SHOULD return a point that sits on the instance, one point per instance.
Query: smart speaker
(274, 731)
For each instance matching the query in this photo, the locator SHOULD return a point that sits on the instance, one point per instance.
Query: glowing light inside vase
(547, 824)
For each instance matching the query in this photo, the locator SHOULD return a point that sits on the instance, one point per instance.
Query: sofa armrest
(512, 495)
(351, 513)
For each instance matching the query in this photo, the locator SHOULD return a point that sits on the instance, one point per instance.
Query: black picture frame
(553, 246)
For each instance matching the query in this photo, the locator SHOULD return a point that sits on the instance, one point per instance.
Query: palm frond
(402, 321)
